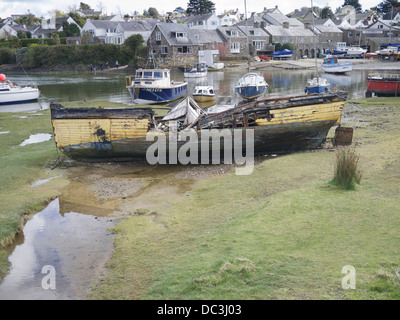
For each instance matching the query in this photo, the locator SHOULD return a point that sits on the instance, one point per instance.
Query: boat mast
(247, 37)
(315, 43)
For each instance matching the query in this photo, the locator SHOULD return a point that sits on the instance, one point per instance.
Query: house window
(185, 49)
(233, 33)
(164, 50)
(235, 47)
(158, 36)
(259, 45)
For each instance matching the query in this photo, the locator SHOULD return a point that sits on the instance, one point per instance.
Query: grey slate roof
(168, 28)
(278, 19)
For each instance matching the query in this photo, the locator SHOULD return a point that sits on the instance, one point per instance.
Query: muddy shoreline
(301, 64)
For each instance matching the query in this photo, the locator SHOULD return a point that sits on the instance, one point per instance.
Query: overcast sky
(43, 7)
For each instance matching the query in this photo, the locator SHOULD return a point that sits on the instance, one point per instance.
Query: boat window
(137, 83)
(211, 91)
(147, 82)
(158, 74)
(165, 75)
(148, 74)
(138, 75)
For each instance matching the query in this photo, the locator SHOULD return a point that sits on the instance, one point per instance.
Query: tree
(179, 10)
(77, 18)
(353, 3)
(84, 6)
(326, 13)
(198, 7)
(86, 37)
(133, 43)
(386, 6)
(153, 12)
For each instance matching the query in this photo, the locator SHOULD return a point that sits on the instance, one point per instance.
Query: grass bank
(283, 232)
(21, 166)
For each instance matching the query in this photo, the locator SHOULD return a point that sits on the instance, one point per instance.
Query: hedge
(39, 55)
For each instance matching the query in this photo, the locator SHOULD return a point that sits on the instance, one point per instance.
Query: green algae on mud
(283, 232)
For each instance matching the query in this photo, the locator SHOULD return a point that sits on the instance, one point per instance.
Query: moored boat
(11, 93)
(354, 51)
(264, 57)
(383, 85)
(151, 86)
(283, 54)
(317, 85)
(331, 64)
(251, 86)
(279, 125)
(198, 70)
(204, 94)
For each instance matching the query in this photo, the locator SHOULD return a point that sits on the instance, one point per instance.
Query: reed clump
(347, 169)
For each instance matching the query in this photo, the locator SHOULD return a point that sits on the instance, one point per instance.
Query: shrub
(7, 56)
(347, 172)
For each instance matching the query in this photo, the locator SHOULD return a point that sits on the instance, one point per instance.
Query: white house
(6, 31)
(116, 32)
(228, 19)
(206, 21)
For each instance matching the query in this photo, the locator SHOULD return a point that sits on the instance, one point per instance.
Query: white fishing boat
(331, 64)
(204, 94)
(198, 70)
(13, 93)
(152, 86)
(251, 86)
(355, 51)
(317, 85)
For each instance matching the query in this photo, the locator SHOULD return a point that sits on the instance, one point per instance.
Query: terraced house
(178, 43)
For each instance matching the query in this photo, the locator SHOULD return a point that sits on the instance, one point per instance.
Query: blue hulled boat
(151, 86)
(251, 86)
(317, 85)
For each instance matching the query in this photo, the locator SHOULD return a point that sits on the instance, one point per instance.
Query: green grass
(284, 232)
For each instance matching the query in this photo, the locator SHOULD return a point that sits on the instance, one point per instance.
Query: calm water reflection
(61, 87)
(77, 246)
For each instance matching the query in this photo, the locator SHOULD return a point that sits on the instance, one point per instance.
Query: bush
(7, 56)
(347, 171)
(39, 55)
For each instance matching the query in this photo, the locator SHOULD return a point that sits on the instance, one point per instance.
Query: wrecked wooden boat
(279, 125)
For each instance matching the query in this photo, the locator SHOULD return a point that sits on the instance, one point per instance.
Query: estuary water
(74, 86)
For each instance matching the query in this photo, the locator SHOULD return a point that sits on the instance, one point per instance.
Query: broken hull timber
(118, 136)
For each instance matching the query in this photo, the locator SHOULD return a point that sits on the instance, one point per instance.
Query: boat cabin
(331, 60)
(152, 77)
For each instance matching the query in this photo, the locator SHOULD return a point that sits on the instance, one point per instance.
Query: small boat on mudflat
(279, 125)
(283, 54)
(331, 64)
(204, 94)
(152, 86)
(251, 86)
(198, 70)
(11, 93)
(264, 57)
(317, 85)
